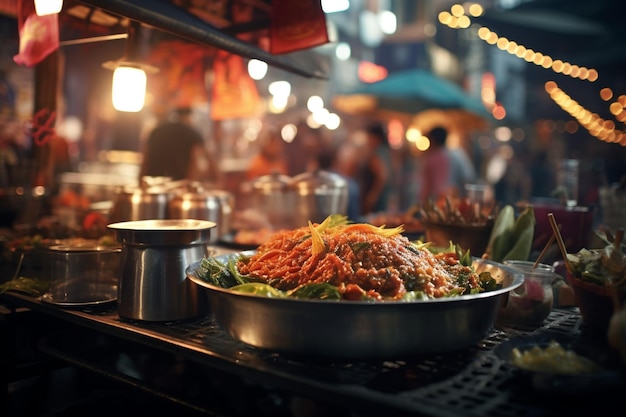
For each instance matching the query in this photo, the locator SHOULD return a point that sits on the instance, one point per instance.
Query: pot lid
(163, 225)
(319, 180)
(271, 183)
(168, 232)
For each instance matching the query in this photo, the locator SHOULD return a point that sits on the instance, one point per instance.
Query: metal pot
(212, 205)
(82, 275)
(318, 194)
(139, 203)
(273, 196)
(155, 254)
(289, 203)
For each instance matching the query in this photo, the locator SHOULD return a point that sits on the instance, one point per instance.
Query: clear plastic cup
(530, 304)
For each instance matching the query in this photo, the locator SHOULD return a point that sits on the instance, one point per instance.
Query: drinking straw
(545, 249)
(559, 241)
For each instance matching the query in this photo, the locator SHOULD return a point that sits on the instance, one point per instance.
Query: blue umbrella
(412, 91)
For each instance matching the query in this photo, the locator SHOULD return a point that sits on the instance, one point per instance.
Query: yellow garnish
(318, 245)
(336, 223)
(379, 230)
(332, 221)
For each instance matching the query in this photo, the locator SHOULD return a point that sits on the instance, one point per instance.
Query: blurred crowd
(383, 174)
(386, 178)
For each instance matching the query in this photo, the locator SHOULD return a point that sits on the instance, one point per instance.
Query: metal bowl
(358, 329)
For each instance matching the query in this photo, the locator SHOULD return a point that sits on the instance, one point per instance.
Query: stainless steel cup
(155, 253)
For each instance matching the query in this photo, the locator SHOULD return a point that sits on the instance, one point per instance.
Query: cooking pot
(155, 254)
(290, 202)
(273, 197)
(139, 203)
(212, 205)
(318, 194)
(82, 275)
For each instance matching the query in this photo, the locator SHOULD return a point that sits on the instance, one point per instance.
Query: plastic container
(529, 304)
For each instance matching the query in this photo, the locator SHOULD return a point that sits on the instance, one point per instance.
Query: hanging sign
(296, 25)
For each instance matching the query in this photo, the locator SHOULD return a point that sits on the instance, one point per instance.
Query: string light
(605, 130)
(602, 129)
(457, 18)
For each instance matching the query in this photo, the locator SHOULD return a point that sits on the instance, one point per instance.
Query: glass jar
(528, 305)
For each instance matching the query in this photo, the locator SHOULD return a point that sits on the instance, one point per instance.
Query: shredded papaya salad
(340, 260)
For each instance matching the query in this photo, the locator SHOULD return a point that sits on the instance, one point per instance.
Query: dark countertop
(472, 382)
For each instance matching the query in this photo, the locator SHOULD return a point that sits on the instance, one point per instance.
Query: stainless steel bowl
(355, 329)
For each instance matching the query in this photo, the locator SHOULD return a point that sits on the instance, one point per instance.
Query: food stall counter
(471, 382)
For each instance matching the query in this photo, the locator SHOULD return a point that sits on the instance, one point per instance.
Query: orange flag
(39, 35)
(296, 25)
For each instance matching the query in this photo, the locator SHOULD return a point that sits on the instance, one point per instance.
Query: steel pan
(359, 329)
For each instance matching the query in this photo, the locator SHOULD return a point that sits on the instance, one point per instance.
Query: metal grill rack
(471, 382)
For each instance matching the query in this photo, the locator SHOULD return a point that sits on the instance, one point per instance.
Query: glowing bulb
(129, 89)
(257, 69)
(46, 7)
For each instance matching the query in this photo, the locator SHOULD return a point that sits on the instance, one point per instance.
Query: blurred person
(271, 157)
(405, 182)
(375, 177)
(435, 168)
(328, 161)
(302, 153)
(175, 149)
(543, 181)
(515, 185)
(462, 170)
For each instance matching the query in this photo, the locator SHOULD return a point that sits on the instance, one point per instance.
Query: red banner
(39, 35)
(182, 66)
(296, 25)
(234, 93)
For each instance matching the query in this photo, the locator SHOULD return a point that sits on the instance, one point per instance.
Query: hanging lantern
(129, 74)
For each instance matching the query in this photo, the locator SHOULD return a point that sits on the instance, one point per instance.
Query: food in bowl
(592, 266)
(324, 327)
(552, 358)
(598, 277)
(340, 260)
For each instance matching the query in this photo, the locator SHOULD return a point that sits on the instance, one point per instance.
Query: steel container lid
(271, 183)
(319, 182)
(319, 194)
(163, 232)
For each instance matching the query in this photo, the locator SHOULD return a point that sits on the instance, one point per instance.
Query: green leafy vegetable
(33, 287)
(258, 288)
(217, 273)
(488, 282)
(317, 291)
